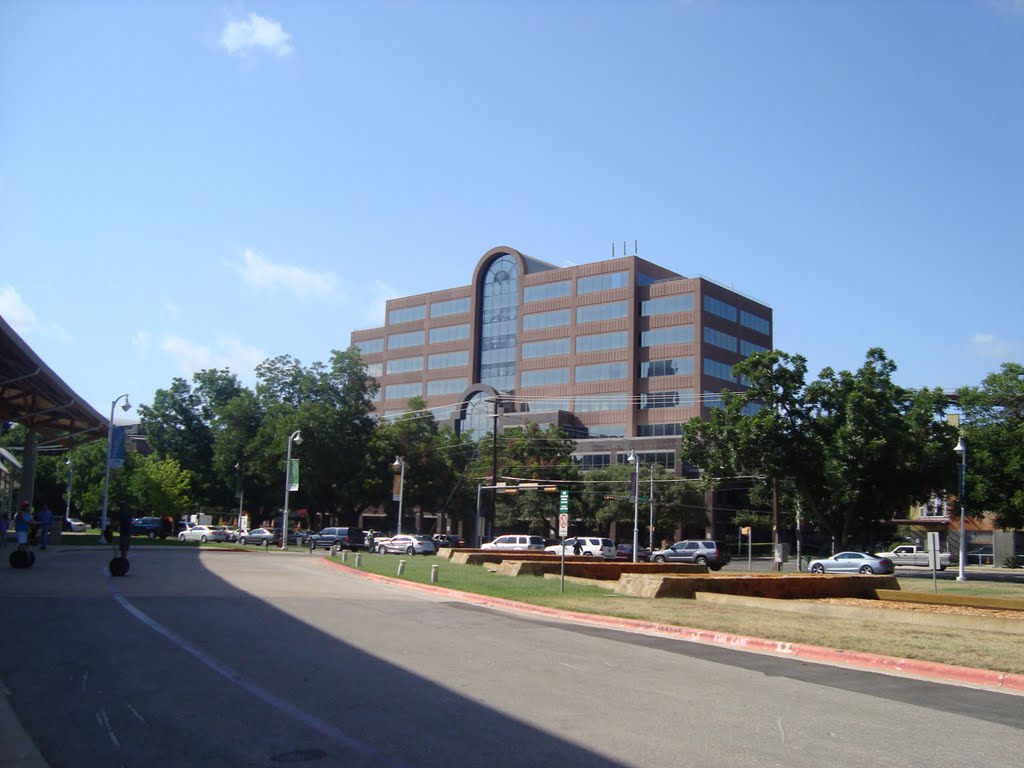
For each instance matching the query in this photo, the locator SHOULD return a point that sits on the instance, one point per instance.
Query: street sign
(563, 524)
(563, 502)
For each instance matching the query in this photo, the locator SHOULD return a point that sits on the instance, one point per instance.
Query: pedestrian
(5, 523)
(23, 524)
(45, 518)
(124, 524)
(577, 547)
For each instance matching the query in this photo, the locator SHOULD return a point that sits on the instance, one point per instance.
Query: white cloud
(990, 347)
(240, 37)
(301, 283)
(241, 359)
(16, 312)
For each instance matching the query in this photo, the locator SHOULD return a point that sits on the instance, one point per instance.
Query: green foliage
(993, 429)
(160, 487)
(1013, 562)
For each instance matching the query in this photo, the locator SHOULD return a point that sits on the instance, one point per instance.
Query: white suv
(515, 542)
(589, 546)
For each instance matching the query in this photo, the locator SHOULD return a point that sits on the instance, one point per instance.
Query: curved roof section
(33, 395)
(527, 264)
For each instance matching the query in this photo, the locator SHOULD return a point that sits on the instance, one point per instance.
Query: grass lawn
(969, 648)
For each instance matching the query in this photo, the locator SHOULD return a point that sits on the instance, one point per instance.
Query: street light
(71, 473)
(635, 482)
(106, 475)
(961, 450)
(294, 437)
(399, 469)
(241, 492)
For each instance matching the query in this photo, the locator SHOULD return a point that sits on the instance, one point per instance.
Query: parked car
(203, 533)
(408, 544)
(257, 536)
(589, 546)
(149, 526)
(852, 562)
(74, 525)
(448, 540)
(697, 551)
(625, 552)
(345, 538)
(515, 542)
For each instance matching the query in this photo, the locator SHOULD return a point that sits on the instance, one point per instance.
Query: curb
(931, 670)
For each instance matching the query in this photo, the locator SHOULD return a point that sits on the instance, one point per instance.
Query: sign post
(563, 530)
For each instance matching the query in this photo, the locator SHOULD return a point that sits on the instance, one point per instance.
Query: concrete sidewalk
(17, 750)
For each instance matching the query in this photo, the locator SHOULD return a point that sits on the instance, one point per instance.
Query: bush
(1013, 562)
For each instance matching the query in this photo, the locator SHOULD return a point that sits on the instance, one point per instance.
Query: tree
(993, 430)
(159, 486)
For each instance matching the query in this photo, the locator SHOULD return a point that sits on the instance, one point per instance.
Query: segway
(22, 558)
(118, 565)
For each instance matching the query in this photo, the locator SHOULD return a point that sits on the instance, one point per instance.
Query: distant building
(619, 353)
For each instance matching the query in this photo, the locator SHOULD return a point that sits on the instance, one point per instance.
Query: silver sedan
(408, 545)
(852, 562)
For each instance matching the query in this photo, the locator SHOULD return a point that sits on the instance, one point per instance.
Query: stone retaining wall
(777, 586)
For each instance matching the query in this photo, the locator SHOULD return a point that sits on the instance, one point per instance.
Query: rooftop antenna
(634, 248)
(613, 249)
(623, 247)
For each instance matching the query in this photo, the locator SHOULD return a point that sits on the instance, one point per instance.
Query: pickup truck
(910, 555)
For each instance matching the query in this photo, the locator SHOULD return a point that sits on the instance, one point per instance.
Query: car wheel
(181, 537)
(701, 561)
(202, 539)
(817, 568)
(588, 554)
(866, 569)
(244, 540)
(381, 550)
(659, 559)
(410, 551)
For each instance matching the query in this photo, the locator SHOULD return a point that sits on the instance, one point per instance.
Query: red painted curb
(1003, 681)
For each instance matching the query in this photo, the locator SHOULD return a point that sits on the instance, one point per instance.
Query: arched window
(499, 316)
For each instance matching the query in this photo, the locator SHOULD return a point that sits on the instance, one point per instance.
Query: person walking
(5, 523)
(23, 524)
(45, 519)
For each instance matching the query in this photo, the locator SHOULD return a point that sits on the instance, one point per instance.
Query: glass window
(477, 417)
(399, 340)
(659, 430)
(720, 308)
(747, 348)
(605, 430)
(667, 459)
(678, 398)
(374, 369)
(407, 314)
(539, 320)
(755, 323)
(718, 370)
(449, 333)
(596, 342)
(499, 313)
(675, 366)
(612, 310)
(448, 359)
(403, 391)
(544, 377)
(544, 405)
(446, 386)
(666, 305)
(548, 348)
(642, 279)
(405, 364)
(370, 346)
(604, 282)
(601, 403)
(442, 412)
(547, 291)
(587, 461)
(453, 307)
(673, 334)
(600, 372)
(719, 339)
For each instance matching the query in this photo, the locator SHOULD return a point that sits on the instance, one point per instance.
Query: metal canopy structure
(31, 394)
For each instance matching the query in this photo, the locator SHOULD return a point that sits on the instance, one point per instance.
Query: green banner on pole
(293, 475)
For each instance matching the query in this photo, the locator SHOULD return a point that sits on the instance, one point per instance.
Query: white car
(203, 533)
(74, 525)
(406, 545)
(589, 546)
(518, 542)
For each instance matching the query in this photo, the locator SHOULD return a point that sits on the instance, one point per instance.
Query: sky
(190, 185)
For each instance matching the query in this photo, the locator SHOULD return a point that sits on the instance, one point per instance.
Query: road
(264, 659)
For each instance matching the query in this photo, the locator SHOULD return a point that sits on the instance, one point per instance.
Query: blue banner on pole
(117, 448)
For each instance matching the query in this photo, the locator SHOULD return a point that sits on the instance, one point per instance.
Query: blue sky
(186, 185)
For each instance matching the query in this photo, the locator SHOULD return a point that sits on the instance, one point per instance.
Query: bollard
(359, 559)
(433, 574)
(401, 567)
(344, 555)
(334, 550)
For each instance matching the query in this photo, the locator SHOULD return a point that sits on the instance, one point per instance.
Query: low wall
(777, 586)
(972, 601)
(588, 568)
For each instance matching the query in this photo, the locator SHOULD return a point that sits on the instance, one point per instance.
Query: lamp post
(71, 473)
(635, 482)
(106, 474)
(399, 469)
(652, 511)
(294, 437)
(241, 492)
(961, 449)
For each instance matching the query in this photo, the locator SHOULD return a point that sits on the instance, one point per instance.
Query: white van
(515, 542)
